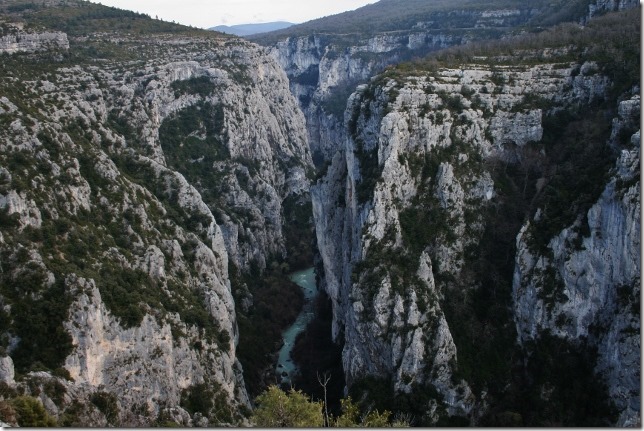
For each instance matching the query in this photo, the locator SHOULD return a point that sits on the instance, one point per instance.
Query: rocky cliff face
(130, 185)
(591, 290)
(411, 205)
(32, 42)
(602, 6)
(14, 38)
(324, 68)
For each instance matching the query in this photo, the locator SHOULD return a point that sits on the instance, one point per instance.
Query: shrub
(209, 400)
(42, 336)
(201, 85)
(107, 404)
(56, 391)
(294, 410)
(197, 398)
(31, 413)
(370, 171)
(8, 413)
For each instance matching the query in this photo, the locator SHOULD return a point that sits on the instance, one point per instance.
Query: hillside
(140, 203)
(402, 15)
(251, 29)
(463, 176)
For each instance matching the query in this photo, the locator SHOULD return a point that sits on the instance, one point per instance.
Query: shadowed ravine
(285, 365)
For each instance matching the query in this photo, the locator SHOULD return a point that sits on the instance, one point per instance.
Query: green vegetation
(438, 15)
(192, 141)
(75, 414)
(574, 159)
(377, 394)
(201, 85)
(612, 40)
(209, 400)
(309, 77)
(352, 417)
(123, 300)
(425, 223)
(556, 387)
(277, 408)
(30, 412)
(44, 342)
(105, 33)
(107, 404)
(81, 17)
(577, 164)
(298, 231)
(336, 102)
(72, 243)
(292, 410)
(370, 171)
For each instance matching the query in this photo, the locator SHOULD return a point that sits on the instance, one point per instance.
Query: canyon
(474, 208)
(408, 176)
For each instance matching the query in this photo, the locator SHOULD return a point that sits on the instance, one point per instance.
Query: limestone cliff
(591, 290)
(418, 211)
(32, 42)
(323, 70)
(135, 172)
(325, 59)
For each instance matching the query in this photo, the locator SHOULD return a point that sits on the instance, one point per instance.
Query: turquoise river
(285, 365)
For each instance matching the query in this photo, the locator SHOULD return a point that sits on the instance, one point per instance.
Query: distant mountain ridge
(395, 15)
(249, 29)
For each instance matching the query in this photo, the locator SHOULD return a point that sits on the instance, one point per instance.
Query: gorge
(417, 226)
(464, 177)
(285, 364)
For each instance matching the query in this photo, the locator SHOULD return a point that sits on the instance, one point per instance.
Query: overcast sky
(209, 13)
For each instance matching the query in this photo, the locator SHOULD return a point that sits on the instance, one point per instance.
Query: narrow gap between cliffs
(277, 301)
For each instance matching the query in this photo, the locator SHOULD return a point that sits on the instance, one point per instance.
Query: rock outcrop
(602, 6)
(33, 42)
(597, 283)
(324, 68)
(138, 186)
(404, 210)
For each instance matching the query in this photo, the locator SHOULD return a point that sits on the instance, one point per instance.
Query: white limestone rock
(381, 326)
(33, 42)
(7, 372)
(27, 210)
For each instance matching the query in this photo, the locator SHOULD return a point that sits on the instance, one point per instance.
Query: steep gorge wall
(405, 208)
(128, 192)
(592, 290)
(324, 71)
(32, 42)
(324, 68)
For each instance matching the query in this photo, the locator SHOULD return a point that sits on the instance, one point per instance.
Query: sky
(209, 13)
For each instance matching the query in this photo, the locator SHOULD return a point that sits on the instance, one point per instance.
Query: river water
(285, 366)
